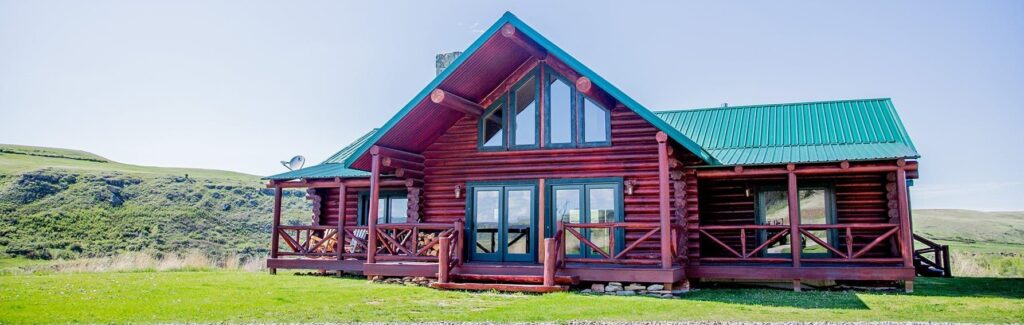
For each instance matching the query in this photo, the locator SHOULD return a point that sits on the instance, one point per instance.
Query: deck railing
(627, 252)
(308, 241)
(395, 242)
(845, 253)
(413, 241)
(939, 259)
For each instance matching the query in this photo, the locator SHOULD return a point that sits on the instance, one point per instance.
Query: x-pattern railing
(403, 241)
(627, 255)
(312, 241)
(848, 253)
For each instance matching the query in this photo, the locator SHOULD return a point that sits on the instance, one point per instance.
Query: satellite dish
(295, 163)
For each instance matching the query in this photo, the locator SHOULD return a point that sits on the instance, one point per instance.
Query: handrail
(450, 251)
(307, 241)
(401, 241)
(940, 259)
(779, 232)
(626, 255)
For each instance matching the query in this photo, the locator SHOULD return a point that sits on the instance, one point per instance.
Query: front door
(501, 222)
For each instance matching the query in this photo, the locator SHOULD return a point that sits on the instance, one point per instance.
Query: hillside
(57, 203)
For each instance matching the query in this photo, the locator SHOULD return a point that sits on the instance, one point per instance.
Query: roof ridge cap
(772, 104)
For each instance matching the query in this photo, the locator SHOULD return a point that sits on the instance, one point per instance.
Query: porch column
(793, 194)
(906, 234)
(276, 224)
(342, 190)
(663, 201)
(371, 222)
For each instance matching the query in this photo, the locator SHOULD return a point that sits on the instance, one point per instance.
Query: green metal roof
(332, 167)
(555, 51)
(861, 129)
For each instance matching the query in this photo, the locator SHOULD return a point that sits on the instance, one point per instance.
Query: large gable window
(573, 119)
(543, 99)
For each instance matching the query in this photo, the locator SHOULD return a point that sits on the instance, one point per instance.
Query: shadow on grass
(1011, 288)
(810, 299)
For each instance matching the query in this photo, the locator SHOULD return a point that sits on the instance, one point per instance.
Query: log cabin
(518, 168)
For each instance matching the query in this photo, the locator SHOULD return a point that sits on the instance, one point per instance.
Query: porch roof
(332, 167)
(827, 131)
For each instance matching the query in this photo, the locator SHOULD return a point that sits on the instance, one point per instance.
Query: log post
(341, 222)
(277, 224)
(541, 221)
(442, 259)
(549, 262)
(460, 228)
(371, 220)
(663, 201)
(906, 234)
(793, 194)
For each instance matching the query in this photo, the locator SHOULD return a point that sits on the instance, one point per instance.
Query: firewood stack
(425, 239)
(327, 247)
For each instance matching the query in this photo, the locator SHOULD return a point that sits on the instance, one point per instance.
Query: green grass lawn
(159, 297)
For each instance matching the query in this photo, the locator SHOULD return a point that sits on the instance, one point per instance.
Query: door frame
(615, 183)
(502, 187)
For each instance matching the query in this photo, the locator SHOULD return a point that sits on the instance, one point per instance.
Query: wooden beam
(510, 32)
(408, 174)
(806, 170)
(663, 201)
(549, 261)
(395, 153)
(371, 237)
(906, 233)
(342, 190)
(455, 102)
(277, 223)
(793, 194)
(401, 163)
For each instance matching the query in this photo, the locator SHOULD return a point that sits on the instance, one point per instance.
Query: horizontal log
(509, 31)
(401, 163)
(400, 154)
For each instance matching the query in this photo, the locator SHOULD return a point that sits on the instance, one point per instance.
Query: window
(393, 207)
(570, 119)
(587, 201)
(573, 119)
(816, 208)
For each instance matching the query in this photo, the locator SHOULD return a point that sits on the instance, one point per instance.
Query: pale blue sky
(240, 85)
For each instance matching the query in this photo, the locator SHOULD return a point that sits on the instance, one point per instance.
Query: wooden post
(277, 223)
(663, 201)
(793, 194)
(549, 262)
(541, 222)
(371, 220)
(460, 227)
(906, 234)
(442, 259)
(341, 222)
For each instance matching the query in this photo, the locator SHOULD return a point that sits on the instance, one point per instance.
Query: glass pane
(602, 209)
(776, 212)
(812, 212)
(526, 113)
(492, 133)
(567, 209)
(812, 207)
(398, 208)
(595, 125)
(520, 212)
(486, 219)
(560, 124)
(382, 210)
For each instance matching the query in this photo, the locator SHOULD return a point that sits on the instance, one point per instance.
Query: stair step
(503, 287)
(521, 279)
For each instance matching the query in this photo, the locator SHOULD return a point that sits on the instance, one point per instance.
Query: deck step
(503, 287)
(516, 279)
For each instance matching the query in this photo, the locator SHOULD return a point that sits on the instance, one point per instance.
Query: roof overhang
(474, 75)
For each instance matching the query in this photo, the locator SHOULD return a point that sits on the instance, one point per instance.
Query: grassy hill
(58, 203)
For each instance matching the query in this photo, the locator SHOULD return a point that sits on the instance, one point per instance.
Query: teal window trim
(830, 216)
(497, 105)
(584, 185)
(363, 206)
(581, 113)
(510, 110)
(502, 187)
(550, 74)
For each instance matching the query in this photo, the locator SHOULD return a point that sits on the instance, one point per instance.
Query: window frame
(582, 129)
(512, 99)
(550, 74)
(500, 103)
(362, 208)
(584, 185)
(831, 217)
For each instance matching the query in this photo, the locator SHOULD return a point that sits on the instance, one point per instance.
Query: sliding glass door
(501, 223)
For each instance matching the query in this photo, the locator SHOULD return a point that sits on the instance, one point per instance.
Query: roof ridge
(773, 104)
(804, 145)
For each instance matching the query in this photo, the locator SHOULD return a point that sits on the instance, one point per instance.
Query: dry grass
(146, 262)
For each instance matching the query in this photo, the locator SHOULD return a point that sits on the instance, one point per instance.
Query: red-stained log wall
(455, 160)
(858, 199)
